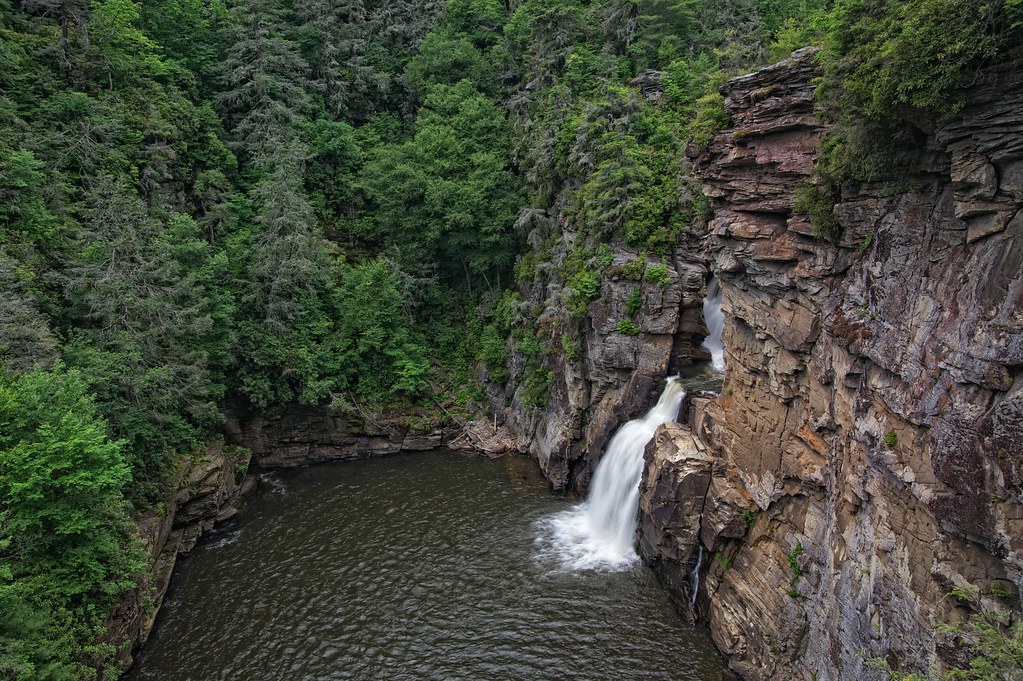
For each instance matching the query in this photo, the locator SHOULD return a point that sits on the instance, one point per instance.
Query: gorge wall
(865, 457)
(614, 376)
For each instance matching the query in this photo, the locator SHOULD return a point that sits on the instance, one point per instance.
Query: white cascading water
(695, 581)
(599, 533)
(715, 319)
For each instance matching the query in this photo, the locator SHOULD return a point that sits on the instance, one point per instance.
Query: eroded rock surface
(613, 377)
(207, 489)
(303, 435)
(867, 448)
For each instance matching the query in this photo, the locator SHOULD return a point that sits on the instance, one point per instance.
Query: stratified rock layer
(868, 445)
(615, 376)
(207, 489)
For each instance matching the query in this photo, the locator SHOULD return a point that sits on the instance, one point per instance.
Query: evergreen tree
(151, 325)
(72, 17)
(263, 74)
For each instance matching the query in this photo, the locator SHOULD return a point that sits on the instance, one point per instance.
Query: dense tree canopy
(252, 203)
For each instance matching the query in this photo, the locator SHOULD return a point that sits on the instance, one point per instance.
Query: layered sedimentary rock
(614, 376)
(207, 489)
(865, 457)
(302, 435)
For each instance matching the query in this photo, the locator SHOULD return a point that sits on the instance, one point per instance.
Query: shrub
(536, 388)
(819, 207)
(634, 301)
(658, 274)
(573, 347)
(627, 327)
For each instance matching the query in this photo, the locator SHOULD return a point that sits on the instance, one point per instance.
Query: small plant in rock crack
(797, 572)
(627, 327)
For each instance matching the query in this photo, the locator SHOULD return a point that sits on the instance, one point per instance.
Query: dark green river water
(423, 566)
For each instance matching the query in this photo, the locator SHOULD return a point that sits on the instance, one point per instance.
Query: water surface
(414, 567)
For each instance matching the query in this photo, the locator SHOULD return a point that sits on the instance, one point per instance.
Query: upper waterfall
(600, 532)
(715, 319)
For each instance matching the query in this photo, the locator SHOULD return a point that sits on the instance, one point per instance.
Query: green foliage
(65, 532)
(582, 281)
(572, 347)
(118, 49)
(206, 202)
(995, 643)
(536, 388)
(797, 572)
(819, 207)
(993, 640)
(889, 62)
(965, 593)
(448, 195)
(627, 327)
(658, 274)
(492, 351)
(748, 517)
(725, 563)
(891, 440)
(634, 302)
(634, 269)
(709, 120)
(794, 555)
(920, 54)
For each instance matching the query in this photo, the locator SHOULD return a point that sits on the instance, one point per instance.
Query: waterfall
(600, 532)
(715, 319)
(695, 581)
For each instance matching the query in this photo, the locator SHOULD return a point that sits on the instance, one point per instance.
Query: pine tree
(288, 264)
(151, 324)
(263, 75)
(72, 17)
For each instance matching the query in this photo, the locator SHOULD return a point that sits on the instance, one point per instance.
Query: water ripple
(418, 567)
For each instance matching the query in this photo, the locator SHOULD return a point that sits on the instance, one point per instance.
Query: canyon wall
(865, 457)
(207, 488)
(613, 376)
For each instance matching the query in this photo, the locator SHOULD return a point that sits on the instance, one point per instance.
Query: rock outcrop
(865, 457)
(207, 489)
(302, 435)
(611, 376)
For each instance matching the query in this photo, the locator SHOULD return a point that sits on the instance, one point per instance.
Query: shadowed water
(413, 567)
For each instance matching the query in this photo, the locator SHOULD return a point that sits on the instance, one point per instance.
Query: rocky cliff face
(866, 454)
(612, 376)
(303, 435)
(207, 489)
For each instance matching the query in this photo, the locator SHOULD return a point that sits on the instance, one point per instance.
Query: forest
(267, 202)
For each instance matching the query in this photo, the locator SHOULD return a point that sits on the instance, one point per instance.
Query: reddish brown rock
(871, 414)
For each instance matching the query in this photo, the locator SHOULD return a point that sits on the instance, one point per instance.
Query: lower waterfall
(600, 532)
